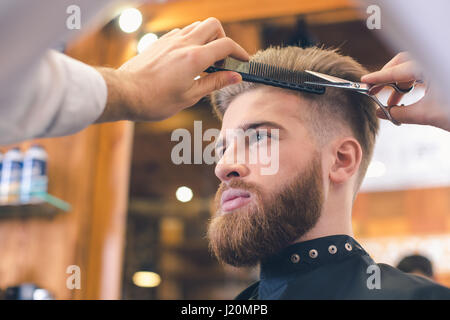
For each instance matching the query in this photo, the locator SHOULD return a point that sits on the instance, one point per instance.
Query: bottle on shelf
(1, 164)
(11, 174)
(34, 175)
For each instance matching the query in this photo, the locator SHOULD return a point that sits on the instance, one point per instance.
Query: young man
(296, 222)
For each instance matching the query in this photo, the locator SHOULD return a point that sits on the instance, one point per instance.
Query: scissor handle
(387, 111)
(405, 97)
(394, 86)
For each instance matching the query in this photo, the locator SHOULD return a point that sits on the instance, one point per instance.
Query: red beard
(247, 235)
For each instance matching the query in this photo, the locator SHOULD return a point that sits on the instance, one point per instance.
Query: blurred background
(137, 223)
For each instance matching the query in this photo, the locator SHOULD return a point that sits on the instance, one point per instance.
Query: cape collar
(310, 254)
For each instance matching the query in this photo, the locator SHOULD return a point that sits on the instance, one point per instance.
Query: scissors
(386, 96)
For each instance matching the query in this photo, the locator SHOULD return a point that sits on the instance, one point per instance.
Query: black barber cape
(336, 267)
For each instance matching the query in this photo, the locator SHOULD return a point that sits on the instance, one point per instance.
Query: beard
(260, 229)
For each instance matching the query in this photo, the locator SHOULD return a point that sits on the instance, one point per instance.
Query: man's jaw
(233, 199)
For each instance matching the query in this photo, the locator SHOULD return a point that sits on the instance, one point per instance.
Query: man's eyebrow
(252, 125)
(255, 125)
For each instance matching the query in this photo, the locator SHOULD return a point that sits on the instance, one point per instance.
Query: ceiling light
(146, 279)
(184, 194)
(145, 41)
(130, 20)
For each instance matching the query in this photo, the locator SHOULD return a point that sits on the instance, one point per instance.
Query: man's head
(416, 264)
(324, 142)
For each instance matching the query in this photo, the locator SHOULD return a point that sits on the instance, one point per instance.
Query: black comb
(270, 75)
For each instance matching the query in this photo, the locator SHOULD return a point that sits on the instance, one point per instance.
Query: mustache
(236, 184)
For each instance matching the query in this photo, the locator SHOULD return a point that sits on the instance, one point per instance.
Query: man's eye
(260, 135)
(257, 137)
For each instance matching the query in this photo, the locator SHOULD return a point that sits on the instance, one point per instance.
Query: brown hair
(335, 110)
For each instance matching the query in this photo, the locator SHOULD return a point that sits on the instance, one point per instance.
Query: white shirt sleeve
(60, 97)
(44, 93)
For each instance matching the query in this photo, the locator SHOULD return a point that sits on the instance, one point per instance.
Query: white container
(1, 163)
(11, 177)
(34, 175)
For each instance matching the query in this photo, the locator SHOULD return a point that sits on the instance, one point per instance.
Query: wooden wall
(90, 170)
(402, 214)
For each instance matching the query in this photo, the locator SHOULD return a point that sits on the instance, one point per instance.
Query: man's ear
(347, 155)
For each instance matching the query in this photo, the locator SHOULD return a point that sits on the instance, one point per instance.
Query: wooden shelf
(49, 208)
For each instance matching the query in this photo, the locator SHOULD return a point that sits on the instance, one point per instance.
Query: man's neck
(319, 232)
(335, 218)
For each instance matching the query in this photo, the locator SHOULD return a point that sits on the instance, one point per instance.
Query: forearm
(126, 99)
(116, 103)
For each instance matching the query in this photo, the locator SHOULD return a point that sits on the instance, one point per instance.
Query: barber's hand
(404, 71)
(159, 82)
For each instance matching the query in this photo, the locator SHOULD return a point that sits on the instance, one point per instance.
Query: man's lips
(233, 199)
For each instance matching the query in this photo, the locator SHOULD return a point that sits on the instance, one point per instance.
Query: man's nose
(226, 171)
(227, 168)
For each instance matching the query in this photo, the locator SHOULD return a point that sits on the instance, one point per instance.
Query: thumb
(215, 81)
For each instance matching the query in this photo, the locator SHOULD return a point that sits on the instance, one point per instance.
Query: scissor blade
(328, 78)
(329, 84)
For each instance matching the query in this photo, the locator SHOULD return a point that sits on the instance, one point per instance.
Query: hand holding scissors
(403, 71)
(386, 94)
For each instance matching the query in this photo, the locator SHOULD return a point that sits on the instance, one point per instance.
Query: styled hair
(329, 113)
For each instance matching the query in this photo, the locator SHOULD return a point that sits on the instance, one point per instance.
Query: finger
(399, 73)
(214, 81)
(189, 28)
(398, 59)
(403, 72)
(207, 31)
(411, 114)
(405, 85)
(220, 49)
(401, 85)
(170, 33)
(394, 98)
(374, 90)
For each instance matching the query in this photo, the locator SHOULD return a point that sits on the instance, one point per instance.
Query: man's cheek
(274, 159)
(265, 155)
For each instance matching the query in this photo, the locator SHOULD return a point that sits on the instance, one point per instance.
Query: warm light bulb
(184, 194)
(146, 279)
(130, 20)
(145, 41)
